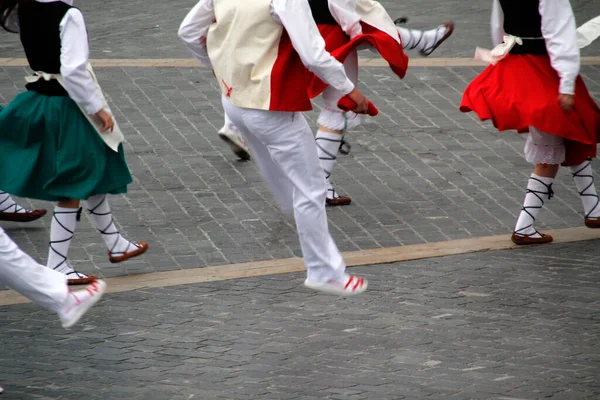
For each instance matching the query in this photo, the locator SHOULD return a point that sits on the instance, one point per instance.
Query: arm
(497, 23)
(296, 18)
(559, 31)
(194, 28)
(73, 59)
(344, 12)
(10, 20)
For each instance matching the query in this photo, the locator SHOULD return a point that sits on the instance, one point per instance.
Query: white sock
(62, 228)
(421, 40)
(584, 180)
(8, 205)
(538, 188)
(99, 210)
(328, 145)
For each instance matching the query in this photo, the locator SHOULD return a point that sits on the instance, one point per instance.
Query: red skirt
(522, 91)
(339, 45)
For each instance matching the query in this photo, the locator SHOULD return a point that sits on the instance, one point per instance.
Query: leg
(425, 41)
(584, 180)
(43, 286)
(119, 248)
(11, 211)
(64, 222)
(546, 152)
(231, 135)
(333, 124)
(292, 151)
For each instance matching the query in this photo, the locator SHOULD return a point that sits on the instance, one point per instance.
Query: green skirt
(50, 151)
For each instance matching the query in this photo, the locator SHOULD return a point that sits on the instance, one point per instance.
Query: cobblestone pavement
(519, 324)
(420, 172)
(511, 324)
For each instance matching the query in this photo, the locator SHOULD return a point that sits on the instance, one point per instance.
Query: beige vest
(243, 47)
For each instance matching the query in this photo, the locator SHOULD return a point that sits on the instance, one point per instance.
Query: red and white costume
(520, 91)
(259, 51)
(538, 61)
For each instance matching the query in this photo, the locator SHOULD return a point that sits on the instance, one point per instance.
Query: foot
(437, 37)
(22, 215)
(235, 142)
(78, 303)
(334, 199)
(349, 285)
(592, 222)
(77, 278)
(137, 249)
(534, 238)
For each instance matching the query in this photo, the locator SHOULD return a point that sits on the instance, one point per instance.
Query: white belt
(112, 139)
(498, 52)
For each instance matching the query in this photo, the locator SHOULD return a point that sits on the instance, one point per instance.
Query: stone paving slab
(420, 172)
(142, 29)
(519, 324)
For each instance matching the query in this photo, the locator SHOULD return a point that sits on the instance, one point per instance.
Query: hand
(362, 105)
(566, 102)
(107, 121)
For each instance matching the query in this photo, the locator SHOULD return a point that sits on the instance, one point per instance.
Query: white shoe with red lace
(78, 303)
(349, 285)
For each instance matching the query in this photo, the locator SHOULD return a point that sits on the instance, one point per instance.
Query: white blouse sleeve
(74, 56)
(560, 33)
(296, 18)
(12, 20)
(194, 29)
(497, 23)
(344, 12)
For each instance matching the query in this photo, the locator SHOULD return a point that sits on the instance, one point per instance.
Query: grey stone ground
(515, 324)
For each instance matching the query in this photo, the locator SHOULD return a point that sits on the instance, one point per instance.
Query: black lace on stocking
(107, 229)
(327, 156)
(5, 209)
(578, 174)
(53, 242)
(539, 195)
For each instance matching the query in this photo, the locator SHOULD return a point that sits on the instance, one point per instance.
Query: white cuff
(346, 87)
(93, 105)
(567, 86)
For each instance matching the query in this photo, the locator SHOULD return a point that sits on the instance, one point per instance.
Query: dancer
(272, 41)
(533, 85)
(56, 140)
(346, 26)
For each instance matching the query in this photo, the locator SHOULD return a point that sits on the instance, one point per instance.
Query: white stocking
(537, 188)
(584, 180)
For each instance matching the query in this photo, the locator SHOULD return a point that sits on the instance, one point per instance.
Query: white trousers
(285, 152)
(21, 273)
(544, 148)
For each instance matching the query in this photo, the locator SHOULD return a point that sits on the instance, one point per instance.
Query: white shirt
(559, 32)
(296, 18)
(73, 58)
(344, 13)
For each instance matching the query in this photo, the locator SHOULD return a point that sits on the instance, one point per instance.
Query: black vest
(522, 18)
(320, 12)
(39, 25)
